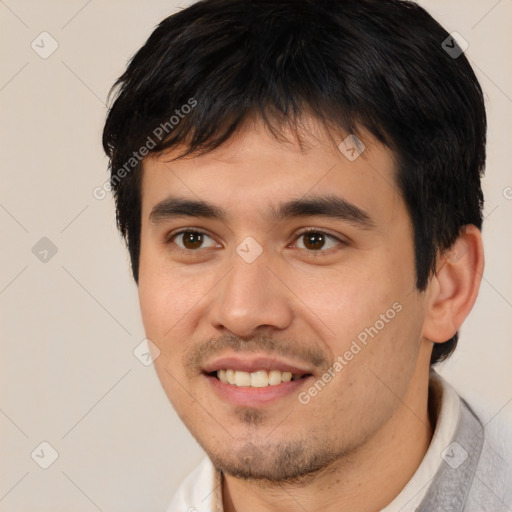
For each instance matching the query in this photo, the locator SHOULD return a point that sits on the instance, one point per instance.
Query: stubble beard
(258, 458)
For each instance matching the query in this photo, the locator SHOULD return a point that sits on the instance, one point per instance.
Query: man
(298, 183)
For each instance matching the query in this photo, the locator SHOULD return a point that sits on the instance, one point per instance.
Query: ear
(452, 291)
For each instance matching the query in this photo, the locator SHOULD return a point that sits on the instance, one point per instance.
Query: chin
(284, 463)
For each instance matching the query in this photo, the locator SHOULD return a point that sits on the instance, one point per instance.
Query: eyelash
(172, 236)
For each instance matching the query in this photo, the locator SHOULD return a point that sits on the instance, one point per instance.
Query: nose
(251, 297)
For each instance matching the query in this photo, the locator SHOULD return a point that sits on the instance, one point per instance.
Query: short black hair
(379, 65)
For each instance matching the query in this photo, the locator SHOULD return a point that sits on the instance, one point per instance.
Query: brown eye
(313, 241)
(318, 241)
(190, 240)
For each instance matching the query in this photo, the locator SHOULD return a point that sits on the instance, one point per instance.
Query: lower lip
(246, 396)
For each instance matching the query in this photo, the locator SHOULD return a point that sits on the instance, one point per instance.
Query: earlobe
(452, 291)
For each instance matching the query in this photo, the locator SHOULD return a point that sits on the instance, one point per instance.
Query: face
(283, 302)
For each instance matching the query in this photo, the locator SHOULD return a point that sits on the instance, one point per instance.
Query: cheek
(164, 298)
(164, 307)
(346, 302)
(151, 295)
(159, 306)
(370, 315)
(172, 303)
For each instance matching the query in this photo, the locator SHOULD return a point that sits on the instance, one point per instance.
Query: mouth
(254, 381)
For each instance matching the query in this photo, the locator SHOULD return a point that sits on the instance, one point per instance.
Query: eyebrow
(330, 206)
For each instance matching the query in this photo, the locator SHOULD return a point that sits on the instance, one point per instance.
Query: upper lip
(252, 364)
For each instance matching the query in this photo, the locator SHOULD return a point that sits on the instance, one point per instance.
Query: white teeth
(258, 379)
(230, 374)
(286, 377)
(274, 377)
(242, 379)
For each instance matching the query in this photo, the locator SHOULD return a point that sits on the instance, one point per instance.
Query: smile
(257, 379)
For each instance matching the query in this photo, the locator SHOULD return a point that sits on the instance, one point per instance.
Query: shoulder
(491, 489)
(492, 485)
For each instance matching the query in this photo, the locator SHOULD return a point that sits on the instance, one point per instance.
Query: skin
(356, 443)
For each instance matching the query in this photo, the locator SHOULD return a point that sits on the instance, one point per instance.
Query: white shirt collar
(446, 403)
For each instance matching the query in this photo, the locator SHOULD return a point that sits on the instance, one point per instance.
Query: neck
(367, 479)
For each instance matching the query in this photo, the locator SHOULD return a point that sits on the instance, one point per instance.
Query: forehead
(254, 170)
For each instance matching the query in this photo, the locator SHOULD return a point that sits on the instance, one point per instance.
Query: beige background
(69, 325)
